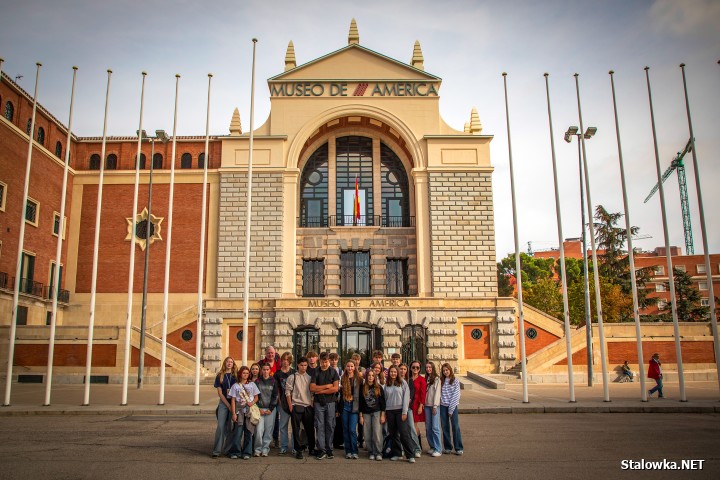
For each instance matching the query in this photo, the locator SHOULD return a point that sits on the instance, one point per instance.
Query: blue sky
(467, 43)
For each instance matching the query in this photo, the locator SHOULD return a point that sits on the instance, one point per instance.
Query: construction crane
(677, 164)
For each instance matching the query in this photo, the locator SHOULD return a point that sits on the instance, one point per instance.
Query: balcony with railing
(30, 287)
(353, 221)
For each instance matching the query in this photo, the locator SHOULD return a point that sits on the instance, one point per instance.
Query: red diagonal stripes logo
(360, 90)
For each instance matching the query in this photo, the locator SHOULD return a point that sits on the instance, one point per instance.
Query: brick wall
(66, 355)
(266, 235)
(618, 352)
(462, 234)
(543, 339)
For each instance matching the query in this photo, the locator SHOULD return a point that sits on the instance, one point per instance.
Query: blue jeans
(413, 430)
(222, 432)
(658, 387)
(283, 429)
(432, 428)
(446, 420)
(325, 425)
(349, 425)
(264, 431)
(241, 431)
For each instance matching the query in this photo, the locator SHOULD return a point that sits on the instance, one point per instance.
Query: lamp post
(161, 136)
(589, 133)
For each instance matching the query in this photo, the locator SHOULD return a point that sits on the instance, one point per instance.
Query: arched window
(29, 126)
(201, 160)
(395, 190)
(186, 161)
(157, 161)
(58, 149)
(9, 111)
(142, 161)
(354, 162)
(111, 162)
(314, 190)
(41, 136)
(94, 162)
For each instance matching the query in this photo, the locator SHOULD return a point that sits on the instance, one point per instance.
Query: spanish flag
(356, 209)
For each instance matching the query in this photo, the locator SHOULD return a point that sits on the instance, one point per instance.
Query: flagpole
(563, 276)
(518, 270)
(131, 275)
(246, 294)
(631, 251)
(708, 270)
(591, 226)
(18, 268)
(671, 275)
(96, 247)
(201, 262)
(55, 289)
(168, 246)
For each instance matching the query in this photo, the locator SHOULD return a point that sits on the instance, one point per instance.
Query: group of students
(378, 408)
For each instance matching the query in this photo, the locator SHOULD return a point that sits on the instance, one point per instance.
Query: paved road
(554, 446)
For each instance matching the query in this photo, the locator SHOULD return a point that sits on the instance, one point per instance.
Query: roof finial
(417, 58)
(475, 125)
(235, 126)
(290, 62)
(353, 36)
(467, 127)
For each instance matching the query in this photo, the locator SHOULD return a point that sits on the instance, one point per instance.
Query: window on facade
(41, 136)
(142, 161)
(22, 313)
(355, 273)
(414, 344)
(304, 340)
(702, 286)
(31, 211)
(704, 302)
(354, 163)
(681, 268)
(659, 270)
(313, 279)
(56, 224)
(28, 126)
(396, 271)
(157, 161)
(111, 162)
(201, 160)
(395, 190)
(659, 287)
(661, 304)
(94, 162)
(700, 268)
(27, 273)
(53, 286)
(9, 111)
(314, 190)
(186, 161)
(361, 340)
(3, 194)
(58, 149)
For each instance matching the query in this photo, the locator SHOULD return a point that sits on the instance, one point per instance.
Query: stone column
(422, 218)
(332, 184)
(289, 232)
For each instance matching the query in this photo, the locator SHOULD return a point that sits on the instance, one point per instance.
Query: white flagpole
(201, 268)
(54, 289)
(163, 352)
(671, 275)
(18, 268)
(96, 247)
(563, 277)
(708, 271)
(246, 295)
(131, 275)
(591, 225)
(631, 252)
(518, 270)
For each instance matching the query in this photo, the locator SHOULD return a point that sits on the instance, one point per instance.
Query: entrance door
(361, 340)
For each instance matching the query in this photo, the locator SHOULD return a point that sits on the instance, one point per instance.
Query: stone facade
(463, 234)
(266, 235)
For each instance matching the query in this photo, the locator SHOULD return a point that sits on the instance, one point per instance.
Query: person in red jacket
(655, 372)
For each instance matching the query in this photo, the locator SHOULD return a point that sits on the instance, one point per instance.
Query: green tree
(505, 288)
(532, 268)
(617, 306)
(545, 295)
(687, 299)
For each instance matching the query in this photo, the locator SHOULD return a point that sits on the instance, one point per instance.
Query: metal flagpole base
(84, 404)
(683, 401)
(572, 401)
(607, 401)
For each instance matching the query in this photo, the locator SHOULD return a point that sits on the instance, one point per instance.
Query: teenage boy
(281, 377)
(377, 357)
(300, 403)
(312, 359)
(324, 387)
(395, 359)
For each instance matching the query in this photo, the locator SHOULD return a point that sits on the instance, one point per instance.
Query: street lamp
(572, 131)
(161, 136)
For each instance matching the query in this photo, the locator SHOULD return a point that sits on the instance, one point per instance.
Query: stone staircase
(178, 320)
(181, 363)
(550, 354)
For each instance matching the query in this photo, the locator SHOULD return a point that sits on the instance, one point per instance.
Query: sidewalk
(703, 397)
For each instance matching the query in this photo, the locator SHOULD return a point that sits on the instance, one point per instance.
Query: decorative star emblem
(139, 226)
